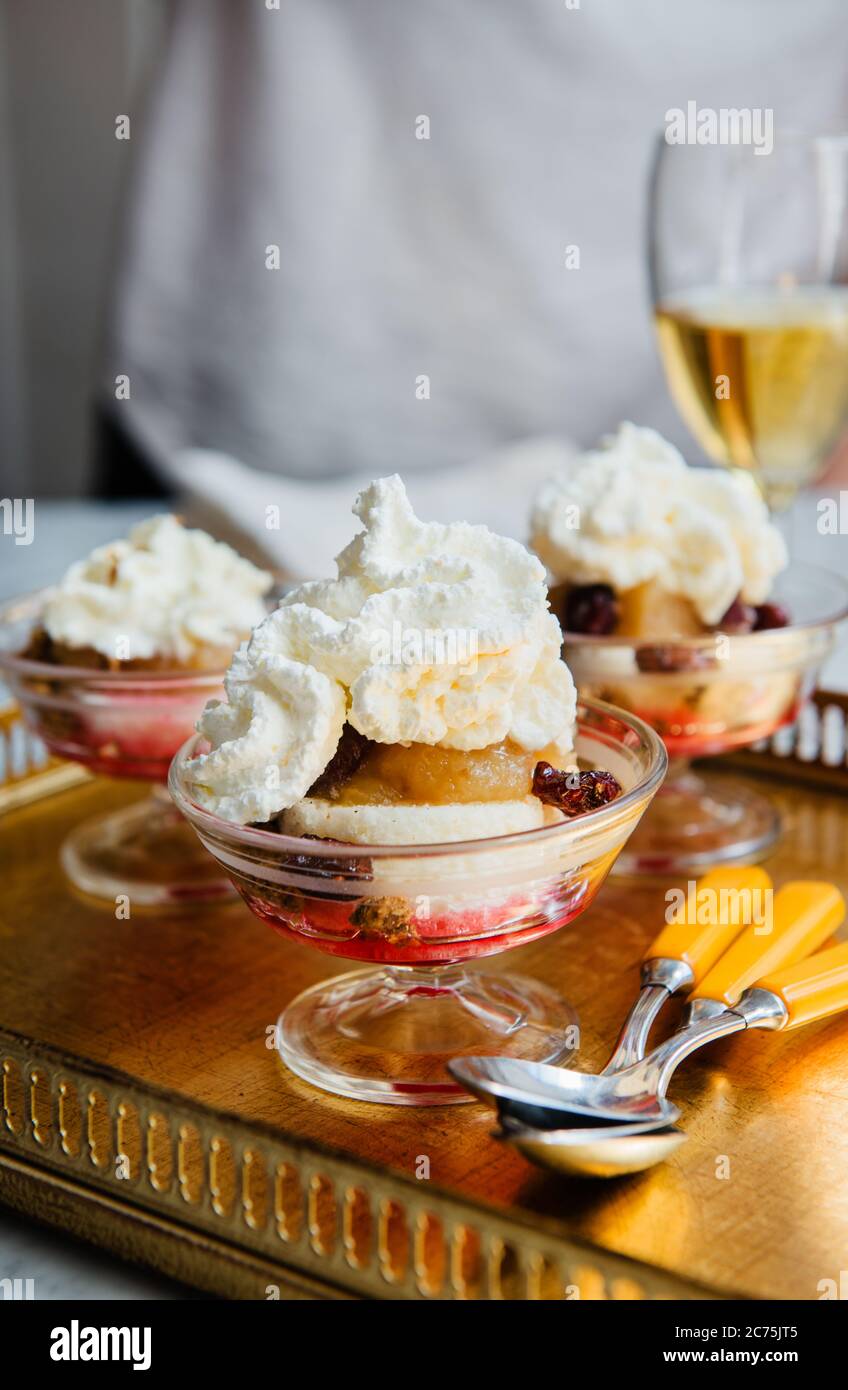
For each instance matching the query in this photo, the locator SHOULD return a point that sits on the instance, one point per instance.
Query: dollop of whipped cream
(431, 633)
(633, 510)
(164, 591)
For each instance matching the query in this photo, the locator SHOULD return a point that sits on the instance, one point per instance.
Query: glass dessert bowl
(399, 776)
(92, 666)
(677, 601)
(707, 695)
(419, 914)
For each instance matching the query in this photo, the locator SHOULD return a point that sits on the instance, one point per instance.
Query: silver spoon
(611, 1149)
(685, 952)
(803, 915)
(592, 1153)
(679, 958)
(799, 994)
(633, 1093)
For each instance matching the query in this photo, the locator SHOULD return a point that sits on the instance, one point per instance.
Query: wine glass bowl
(748, 262)
(418, 915)
(709, 695)
(123, 724)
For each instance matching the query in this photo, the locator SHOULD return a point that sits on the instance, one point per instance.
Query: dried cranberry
(592, 609)
(674, 658)
(740, 617)
(770, 615)
(573, 792)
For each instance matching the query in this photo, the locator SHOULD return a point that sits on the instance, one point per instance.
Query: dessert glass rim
(48, 670)
(706, 640)
(587, 822)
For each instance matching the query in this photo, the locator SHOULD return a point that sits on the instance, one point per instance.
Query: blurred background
(65, 72)
(337, 238)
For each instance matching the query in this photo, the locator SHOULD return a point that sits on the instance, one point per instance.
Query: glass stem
(465, 987)
(423, 979)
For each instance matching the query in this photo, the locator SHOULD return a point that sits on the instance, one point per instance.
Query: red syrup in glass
(437, 937)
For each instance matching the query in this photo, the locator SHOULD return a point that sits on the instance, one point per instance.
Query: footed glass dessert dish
(118, 723)
(419, 915)
(706, 695)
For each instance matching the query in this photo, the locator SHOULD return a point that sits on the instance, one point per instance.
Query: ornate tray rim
(297, 1209)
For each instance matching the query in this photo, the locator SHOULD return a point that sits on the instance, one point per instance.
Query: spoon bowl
(619, 1096)
(597, 1152)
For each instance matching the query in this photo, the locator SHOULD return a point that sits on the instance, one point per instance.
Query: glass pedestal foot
(146, 852)
(386, 1034)
(698, 820)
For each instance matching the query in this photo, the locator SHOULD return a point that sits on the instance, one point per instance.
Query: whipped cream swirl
(633, 511)
(164, 591)
(431, 633)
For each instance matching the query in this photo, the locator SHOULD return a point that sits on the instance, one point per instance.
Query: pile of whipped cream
(633, 511)
(360, 648)
(164, 591)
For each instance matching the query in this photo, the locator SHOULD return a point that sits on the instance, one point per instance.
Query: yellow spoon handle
(711, 916)
(812, 988)
(804, 915)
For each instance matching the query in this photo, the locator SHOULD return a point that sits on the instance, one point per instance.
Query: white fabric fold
(299, 527)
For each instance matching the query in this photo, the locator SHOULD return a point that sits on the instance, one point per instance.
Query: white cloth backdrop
(315, 519)
(403, 257)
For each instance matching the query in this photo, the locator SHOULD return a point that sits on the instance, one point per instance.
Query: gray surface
(63, 1268)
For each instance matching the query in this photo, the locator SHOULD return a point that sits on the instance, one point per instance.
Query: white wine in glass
(750, 308)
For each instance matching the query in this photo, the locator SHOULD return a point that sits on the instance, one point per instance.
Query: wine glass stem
(783, 516)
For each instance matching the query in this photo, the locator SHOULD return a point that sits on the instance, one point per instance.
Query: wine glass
(748, 263)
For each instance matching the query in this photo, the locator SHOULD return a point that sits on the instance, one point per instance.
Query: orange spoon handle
(812, 988)
(804, 915)
(711, 916)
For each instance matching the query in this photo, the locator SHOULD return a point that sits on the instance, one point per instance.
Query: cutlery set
(750, 970)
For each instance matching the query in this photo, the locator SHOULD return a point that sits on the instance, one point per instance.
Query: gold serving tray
(144, 1110)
